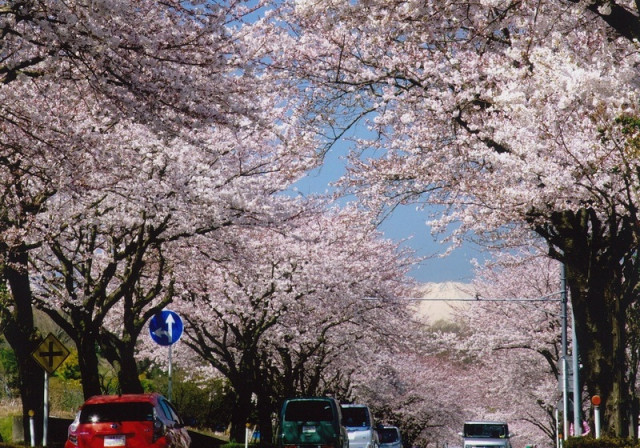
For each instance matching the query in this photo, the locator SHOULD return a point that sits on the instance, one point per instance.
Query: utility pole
(565, 366)
(577, 393)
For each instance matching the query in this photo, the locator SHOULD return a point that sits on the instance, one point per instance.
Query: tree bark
(241, 411)
(601, 337)
(600, 259)
(121, 355)
(22, 336)
(265, 410)
(88, 364)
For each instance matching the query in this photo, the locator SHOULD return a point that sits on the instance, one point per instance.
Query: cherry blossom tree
(289, 309)
(512, 117)
(106, 252)
(85, 86)
(521, 347)
(419, 390)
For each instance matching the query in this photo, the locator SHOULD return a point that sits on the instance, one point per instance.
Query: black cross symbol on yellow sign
(50, 353)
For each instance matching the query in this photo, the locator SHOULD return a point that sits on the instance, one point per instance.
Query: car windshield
(355, 417)
(116, 412)
(486, 430)
(308, 410)
(388, 435)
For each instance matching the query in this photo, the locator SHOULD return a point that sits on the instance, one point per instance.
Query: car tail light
(71, 432)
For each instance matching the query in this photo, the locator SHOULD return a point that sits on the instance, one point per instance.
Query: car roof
(484, 422)
(310, 399)
(123, 398)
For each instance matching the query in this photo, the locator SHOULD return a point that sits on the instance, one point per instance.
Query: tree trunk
(267, 398)
(241, 411)
(598, 266)
(128, 376)
(88, 364)
(22, 336)
(120, 353)
(265, 410)
(601, 338)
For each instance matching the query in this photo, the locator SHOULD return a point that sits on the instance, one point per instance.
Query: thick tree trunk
(88, 364)
(241, 411)
(22, 336)
(265, 411)
(31, 377)
(121, 355)
(128, 376)
(601, 337)
(599, 266)
(267, 400)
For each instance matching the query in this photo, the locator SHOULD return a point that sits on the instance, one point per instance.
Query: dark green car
(313, 421)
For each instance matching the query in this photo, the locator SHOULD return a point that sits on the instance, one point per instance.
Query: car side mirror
(158, 429)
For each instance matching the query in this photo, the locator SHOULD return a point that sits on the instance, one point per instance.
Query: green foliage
(202, 403)
(6, 428)
(235, 445)
(65, 396)
(629, 124)
(70, 368)
(604, 442)
(8, 373)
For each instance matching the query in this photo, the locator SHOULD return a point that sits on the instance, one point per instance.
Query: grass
(8, 410)
(6, 428)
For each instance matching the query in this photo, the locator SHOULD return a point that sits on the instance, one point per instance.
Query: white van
(359, 423)
(486, 434)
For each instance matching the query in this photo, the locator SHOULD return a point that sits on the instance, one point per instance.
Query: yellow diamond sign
(50, 353)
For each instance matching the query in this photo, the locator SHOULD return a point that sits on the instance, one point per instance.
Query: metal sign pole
(565, 373)
(45, 415)
(166, 328)
(577, 392)
(170, 376)
(595, 401)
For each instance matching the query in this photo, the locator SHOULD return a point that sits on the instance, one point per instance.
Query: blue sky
(406, 225)
(407, 222)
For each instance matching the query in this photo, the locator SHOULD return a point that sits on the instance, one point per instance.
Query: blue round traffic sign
(165, 327)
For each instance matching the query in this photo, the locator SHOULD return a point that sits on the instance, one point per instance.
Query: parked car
(389, 436)
(311, 422)
(359, 423)
(129, 420)
(486, 434)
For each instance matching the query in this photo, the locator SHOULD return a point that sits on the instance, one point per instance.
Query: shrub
(604, 442)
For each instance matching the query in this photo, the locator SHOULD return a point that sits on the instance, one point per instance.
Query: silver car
(359, 423)
(389, 437)
(486, 434)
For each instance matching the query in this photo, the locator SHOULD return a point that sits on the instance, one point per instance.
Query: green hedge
(6, 428)
(603, 442)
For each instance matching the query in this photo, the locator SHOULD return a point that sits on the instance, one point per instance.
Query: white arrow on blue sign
(165, 327)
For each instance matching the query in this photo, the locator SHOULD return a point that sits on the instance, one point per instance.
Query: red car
(131, 420)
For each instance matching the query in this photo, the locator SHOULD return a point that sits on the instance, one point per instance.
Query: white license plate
(308, 429)
(114, 440)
